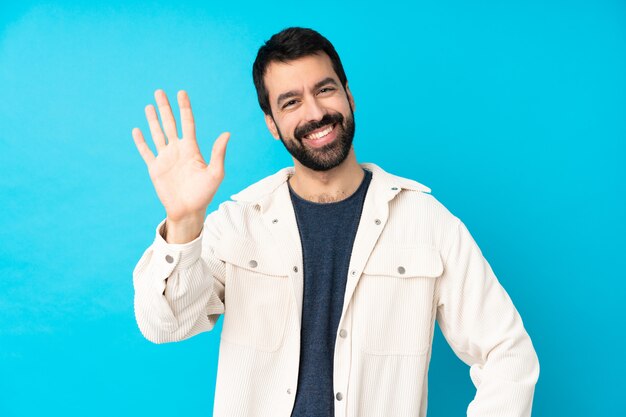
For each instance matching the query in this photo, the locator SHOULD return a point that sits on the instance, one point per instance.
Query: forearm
(483, 327)
(505, 382)
(176, 293)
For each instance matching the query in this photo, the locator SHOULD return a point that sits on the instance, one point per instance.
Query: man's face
(312, 114)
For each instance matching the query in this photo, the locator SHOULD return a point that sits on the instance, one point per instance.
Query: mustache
(328, 119)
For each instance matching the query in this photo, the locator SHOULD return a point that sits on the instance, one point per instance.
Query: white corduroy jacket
(412, 263)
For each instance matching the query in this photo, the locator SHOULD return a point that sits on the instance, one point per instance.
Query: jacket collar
(261, 189)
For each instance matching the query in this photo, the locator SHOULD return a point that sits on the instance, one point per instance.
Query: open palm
(184, 182)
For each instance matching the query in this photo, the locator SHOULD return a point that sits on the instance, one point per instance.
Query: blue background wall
(512, 112)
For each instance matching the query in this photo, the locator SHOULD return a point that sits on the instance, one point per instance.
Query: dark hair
(287, 45)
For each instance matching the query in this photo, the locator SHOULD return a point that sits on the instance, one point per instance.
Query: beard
(328, 156)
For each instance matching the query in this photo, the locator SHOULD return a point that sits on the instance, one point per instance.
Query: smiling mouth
(320, 133)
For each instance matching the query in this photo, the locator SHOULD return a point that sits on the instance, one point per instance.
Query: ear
(350, 97)
(269, 121)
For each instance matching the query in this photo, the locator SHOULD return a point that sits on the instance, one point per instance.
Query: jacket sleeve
(482, 326)
(179, 288)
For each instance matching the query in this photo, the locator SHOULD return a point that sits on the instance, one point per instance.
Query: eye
(289, 103)
(326, 90)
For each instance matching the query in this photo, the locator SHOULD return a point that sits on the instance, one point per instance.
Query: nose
(313, 110)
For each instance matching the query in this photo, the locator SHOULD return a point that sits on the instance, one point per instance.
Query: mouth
(322, 136)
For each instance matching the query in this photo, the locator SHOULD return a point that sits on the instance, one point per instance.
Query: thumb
(218, 152)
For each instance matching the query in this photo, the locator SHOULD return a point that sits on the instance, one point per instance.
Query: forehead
(297, 74)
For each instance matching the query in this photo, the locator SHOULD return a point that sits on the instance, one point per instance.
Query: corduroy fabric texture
(413, 262)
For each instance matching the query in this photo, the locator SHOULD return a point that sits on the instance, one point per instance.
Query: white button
(169, 259)
(343, 333)
(288, 390)
(339, 396)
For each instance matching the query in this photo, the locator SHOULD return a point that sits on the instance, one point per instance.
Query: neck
(329, 186)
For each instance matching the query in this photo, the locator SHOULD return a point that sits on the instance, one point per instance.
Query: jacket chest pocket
(256, 295)
(394, 300)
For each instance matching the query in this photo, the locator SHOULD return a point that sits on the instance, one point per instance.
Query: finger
(186, 116)
(142, 146)
(155, 128)
(218, 152)
(167, 117)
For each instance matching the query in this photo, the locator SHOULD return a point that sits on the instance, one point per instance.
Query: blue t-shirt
(327, 232)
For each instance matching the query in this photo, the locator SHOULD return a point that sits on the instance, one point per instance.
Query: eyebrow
(293, 93)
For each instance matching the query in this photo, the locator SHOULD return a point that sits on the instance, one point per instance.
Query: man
(330, 274)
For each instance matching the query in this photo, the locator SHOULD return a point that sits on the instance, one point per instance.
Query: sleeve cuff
(173, 255)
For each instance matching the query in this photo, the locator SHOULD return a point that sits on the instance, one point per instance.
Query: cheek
(339, 105)
(287, 125)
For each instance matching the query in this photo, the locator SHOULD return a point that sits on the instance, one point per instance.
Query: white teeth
(320, 134)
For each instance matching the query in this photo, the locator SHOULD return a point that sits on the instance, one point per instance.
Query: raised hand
(184, 182)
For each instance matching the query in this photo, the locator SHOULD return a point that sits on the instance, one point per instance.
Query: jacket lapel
(373, 219)
(280, 219)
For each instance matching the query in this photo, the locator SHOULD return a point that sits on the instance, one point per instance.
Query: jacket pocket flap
(405, 261)
(250, 255)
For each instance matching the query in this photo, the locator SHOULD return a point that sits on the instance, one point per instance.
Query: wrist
(183, 230)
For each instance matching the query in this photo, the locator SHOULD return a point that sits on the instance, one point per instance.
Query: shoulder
(411, 195)
(384, 178)
(416, 214)
(265, 186)
(236, 214)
